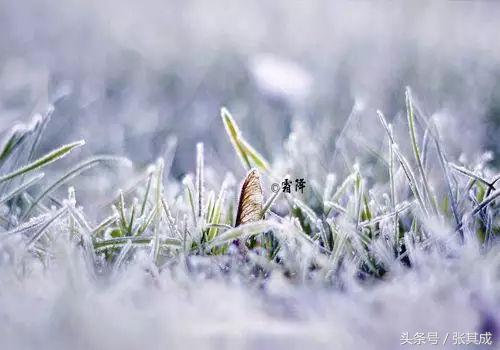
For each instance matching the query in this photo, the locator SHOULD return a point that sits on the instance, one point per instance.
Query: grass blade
(244, 150)
(80, 168)
(200, 180)
(416, 151)
(43, 161)
(21, 188)
(44, 227)
(411, 179)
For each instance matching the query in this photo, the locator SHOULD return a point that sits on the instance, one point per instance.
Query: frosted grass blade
(43, 161)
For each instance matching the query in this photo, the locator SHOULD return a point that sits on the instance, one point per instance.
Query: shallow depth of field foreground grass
(404, 240)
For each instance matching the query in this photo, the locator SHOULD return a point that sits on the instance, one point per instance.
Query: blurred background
(136, 77)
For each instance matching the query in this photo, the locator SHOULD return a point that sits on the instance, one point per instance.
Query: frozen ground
(147, 80)
(61, 309)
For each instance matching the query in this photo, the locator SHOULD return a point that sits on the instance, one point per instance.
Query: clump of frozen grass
(422, 233)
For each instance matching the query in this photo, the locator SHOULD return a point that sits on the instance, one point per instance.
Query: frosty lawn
(350, 264)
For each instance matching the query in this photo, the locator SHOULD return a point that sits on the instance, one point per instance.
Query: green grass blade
(200, 178)
(170, 220)
(392, 169)
(411, 179)
(76, 171)
(146, 195)
(255, 156)
(121, 241)
(242, 231)
(217, 214)
(234, 135)
(416, 151)
(43, 161)
(21, 188)
(244, 150)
